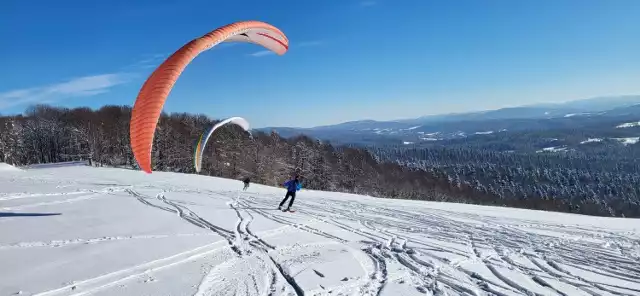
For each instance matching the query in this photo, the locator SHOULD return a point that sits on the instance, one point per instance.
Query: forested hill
(610, 181)
(49, 134)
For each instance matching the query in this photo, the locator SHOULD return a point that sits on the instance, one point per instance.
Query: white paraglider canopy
(204, 138)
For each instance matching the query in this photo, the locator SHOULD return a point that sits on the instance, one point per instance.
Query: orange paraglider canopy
(153, 94)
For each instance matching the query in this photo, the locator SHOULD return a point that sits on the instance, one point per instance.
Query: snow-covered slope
(4, 167)
(83, 230)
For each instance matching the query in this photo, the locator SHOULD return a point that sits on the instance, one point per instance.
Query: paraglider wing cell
(153, 94)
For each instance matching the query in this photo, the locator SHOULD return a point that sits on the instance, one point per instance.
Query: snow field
(4, 167)
(98, 231)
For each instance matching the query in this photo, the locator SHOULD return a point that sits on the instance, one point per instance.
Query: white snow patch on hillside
(380, 131)
(460, 134)
(484, 133)
(413, 127)
(628, 141)
(628, 124)
(99, 231)
(591, 140)
(407, 143)
(552, 149)
(576, 114)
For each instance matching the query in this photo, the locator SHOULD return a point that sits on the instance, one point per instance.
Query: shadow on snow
(8, 214)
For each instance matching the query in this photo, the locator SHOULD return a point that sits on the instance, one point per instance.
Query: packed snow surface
(91, 231)
(4, 167)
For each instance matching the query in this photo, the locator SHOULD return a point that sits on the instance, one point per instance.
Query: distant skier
(292, 186)
(246, 184)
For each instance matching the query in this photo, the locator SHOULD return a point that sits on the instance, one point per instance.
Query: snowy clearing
(552, 149)
(628, 141)
(428, 139)
(92, 231)
(591, 140)
(629, 124)
(576, 114)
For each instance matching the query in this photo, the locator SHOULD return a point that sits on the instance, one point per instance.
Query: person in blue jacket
(292, 186)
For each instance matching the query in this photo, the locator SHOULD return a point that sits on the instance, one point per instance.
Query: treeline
(46, 134)
(591, 181)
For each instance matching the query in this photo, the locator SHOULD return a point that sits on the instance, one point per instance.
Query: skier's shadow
(9, 214)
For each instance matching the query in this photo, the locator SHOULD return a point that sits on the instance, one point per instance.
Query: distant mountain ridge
(572, 114)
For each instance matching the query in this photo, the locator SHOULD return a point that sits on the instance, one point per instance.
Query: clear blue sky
(348, 59)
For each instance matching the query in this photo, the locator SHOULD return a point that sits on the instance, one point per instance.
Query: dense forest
(47, 134)
(604, 177)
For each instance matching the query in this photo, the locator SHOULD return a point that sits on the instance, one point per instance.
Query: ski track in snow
(399, 249)
(241, 240)
(63, 243)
